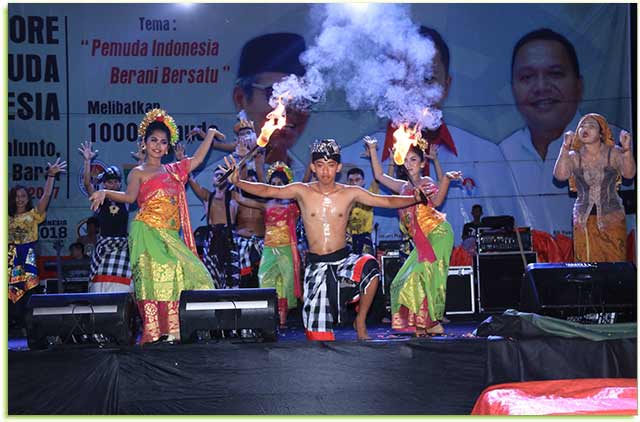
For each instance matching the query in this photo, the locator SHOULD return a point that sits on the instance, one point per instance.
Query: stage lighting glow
(359, 6)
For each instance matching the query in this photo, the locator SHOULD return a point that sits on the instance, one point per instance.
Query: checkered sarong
(330, 283)
(249, 253)
(110, 269)
(220, 256)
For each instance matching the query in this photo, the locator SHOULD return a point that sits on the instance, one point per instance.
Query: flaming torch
(404, 137)
(276, 119)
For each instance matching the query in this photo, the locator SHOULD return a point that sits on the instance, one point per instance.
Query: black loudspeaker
(499, 280)
(80, 318)
(391, 264)
(460, 297)
(228, 309)
(576, 289)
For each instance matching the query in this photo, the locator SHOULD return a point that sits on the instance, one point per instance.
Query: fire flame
(276, 119)
(404, 137)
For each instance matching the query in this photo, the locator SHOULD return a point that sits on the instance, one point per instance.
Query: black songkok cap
(279, 52)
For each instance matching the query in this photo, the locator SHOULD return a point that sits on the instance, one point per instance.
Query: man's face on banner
(441, 77)
(545, 85)
(258, 107)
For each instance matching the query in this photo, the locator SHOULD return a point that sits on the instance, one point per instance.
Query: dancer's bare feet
(361, 329)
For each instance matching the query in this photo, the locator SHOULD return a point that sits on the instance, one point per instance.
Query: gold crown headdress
(159, 115)
(243, 123)
(280, 166)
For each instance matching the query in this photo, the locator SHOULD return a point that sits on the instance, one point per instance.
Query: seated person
(78, 266)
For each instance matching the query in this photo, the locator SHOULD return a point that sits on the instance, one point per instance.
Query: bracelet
(51, 175)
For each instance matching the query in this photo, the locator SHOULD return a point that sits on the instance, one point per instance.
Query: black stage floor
(392, 374)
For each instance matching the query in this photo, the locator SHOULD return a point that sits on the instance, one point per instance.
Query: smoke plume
(374, 53)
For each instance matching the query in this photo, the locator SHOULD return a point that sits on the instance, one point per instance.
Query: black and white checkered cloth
(249, 252)
(329, 286)
(220, 256)
(111, 257)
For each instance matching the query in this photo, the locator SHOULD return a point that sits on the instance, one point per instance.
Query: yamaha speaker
(228, 309)
(579, 288)
(499, 280)
(80, 318)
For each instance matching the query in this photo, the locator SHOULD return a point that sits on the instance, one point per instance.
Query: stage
(393, 373)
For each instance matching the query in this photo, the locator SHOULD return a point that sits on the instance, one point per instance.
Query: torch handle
(252, 153)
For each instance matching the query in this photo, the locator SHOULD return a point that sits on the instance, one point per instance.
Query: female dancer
(23, 235)
(593, 165)
(161, 264)
(418, 291)
(280, 263)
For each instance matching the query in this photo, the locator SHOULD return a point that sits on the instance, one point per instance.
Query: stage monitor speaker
(80, 318)
(499, 280)
(460, 297)
(579, 288)
(228, 309)
(391, 264)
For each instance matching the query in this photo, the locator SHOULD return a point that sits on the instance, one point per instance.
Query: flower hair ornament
(159, 115)
(279, 166)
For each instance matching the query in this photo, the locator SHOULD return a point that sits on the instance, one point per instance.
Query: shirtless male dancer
(331, 271)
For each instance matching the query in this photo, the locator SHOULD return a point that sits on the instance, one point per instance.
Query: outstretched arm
(259, 162)
(215, 145)
(628, 163)
(203, 149)
(248, 202)
(371, 146)
(129, 197)
(562, 168)
(433, 156)
(87, 154)
(384, 201)
(201, 193)
(290, 191)
(443, 187)
(54, 169)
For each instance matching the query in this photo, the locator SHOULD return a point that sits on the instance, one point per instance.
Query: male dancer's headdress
(159, 115)
(280, 168)
(243, 123)
(327, 149)
(110, 173)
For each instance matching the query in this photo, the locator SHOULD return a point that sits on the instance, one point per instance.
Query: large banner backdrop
(89, 72)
